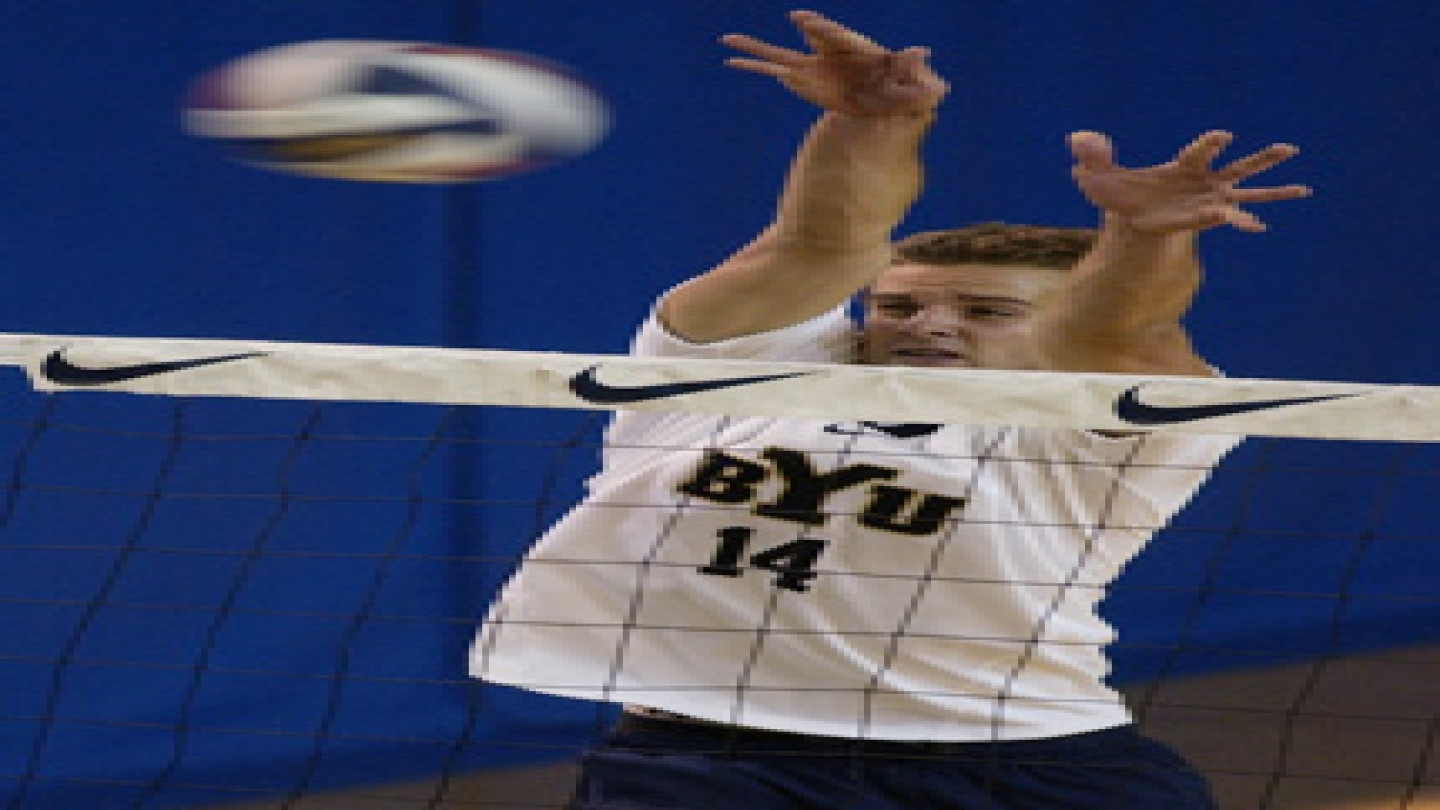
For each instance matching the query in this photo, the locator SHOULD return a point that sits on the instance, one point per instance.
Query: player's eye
(897, 309)
(991, 312)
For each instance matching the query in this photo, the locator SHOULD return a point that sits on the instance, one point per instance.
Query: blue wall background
(115, 222)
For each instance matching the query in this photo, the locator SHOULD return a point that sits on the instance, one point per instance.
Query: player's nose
(939, 321)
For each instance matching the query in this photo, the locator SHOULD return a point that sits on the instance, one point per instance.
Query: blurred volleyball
(396, 111)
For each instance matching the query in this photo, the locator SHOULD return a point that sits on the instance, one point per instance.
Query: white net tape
(276, 370)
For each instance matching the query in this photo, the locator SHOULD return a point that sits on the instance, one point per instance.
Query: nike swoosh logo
(1130, 409)
(899, 430)
(59, 370)
(585, 386)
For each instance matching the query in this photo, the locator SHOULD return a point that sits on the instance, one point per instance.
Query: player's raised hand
(1184, 194)
(844, 70)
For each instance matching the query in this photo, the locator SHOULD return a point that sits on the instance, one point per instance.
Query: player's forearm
(1133, 280)
(852, 183)
(1121, 307)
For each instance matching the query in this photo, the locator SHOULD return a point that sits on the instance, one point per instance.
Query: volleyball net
(258, 581)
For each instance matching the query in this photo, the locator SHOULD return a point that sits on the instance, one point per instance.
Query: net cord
(311, 371)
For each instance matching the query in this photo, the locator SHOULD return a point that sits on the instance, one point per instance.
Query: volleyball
(401, 112)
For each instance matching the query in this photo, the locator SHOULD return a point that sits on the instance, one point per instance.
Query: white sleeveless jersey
(866, 580)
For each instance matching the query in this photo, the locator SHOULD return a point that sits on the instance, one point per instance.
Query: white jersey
(866, 580)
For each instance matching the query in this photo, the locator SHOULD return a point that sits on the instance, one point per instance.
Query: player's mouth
(928, 356)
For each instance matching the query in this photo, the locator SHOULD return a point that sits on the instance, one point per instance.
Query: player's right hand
(844, 70)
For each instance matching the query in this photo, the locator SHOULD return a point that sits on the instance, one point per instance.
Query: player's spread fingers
(823, 33)
(763, 50)
(1198, 154)
(1268, 194)
(1093, 151)
(1244, 220)
(1210, 216)
(1258, 162)
(912, 66)
(759, 66)
(914, 56)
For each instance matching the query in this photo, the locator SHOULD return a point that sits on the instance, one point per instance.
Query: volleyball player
(866, 615)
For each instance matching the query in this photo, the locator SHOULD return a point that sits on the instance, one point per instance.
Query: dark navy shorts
(662, 764)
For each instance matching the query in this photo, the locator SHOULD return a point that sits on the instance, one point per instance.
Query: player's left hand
(1184, 194)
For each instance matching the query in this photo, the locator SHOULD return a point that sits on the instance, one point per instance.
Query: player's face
(955, 316)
